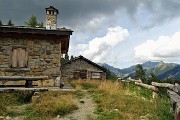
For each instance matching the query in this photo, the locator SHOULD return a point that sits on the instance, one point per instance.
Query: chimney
(51, 18)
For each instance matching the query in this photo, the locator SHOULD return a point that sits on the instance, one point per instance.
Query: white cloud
(98, 48)
(165, 48)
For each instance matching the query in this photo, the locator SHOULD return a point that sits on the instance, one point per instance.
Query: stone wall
(43, 57)
(67, 70)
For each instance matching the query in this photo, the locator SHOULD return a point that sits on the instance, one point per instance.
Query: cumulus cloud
(162, 49)
(98, 48)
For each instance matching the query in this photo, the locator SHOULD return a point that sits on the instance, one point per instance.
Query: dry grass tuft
(54, 103)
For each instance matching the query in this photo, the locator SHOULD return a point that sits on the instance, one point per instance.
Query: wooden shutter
(26, 60)
(21, 57)
(14, 57)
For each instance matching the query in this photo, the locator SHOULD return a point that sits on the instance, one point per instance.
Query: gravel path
(85, 111)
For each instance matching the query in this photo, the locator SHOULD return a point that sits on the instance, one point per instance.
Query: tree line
(140, 74)
(32, 22)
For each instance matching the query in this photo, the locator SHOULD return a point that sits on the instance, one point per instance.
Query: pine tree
(140, 73)
(153, 77)
(41, 25)
(33, 22)
(10, 23)
(72, 57)
(1, 23)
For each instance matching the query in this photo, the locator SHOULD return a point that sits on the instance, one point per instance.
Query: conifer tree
(1, 23)
(72, 57)
(10, 23)
(140, 73)
(33, 22)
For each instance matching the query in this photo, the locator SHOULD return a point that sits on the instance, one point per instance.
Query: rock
(8, 118)
(36, 93)
(1, 117)
(58, 116)
(116, 109)
(146, 117)
(35, 99)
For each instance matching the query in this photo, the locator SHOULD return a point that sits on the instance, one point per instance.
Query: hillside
(173, 73)
(163, 67)
(162, 70)
(114, 71)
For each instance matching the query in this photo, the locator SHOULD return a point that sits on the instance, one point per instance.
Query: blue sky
(117, 32)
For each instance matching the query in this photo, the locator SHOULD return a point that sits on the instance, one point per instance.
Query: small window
(96, 75)
(19, 58)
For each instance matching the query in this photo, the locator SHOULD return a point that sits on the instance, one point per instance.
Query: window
(19, 58)
(96, 75)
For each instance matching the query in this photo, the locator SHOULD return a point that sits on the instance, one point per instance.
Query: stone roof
(53, 9)
(44, 31)
(87, 60)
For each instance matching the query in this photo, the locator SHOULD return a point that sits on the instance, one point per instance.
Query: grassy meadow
(114, 101)
(126, 101)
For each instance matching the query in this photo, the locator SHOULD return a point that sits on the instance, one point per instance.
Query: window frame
(96, 76)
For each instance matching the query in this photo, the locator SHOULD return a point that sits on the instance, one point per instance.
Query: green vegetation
(33, 22)
(1, 23)
(46, 106)
(140, 73)
(153, 77)
(12, 99)
(10, 23)
(53, 104)
(114, 101)
(126, 101)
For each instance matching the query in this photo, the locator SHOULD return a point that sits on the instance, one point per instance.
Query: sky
(120, 33)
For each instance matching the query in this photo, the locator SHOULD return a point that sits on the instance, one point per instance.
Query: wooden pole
(175, 88)
(165, 85)
(147, 86)
(175, 102)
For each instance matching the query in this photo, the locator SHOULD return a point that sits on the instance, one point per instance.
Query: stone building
(33, 51)
(82, 68)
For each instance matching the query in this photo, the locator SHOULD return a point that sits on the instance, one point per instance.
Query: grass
(114, 101)
(46, 106)
(53, 104)
(126, 101)
(12, 99)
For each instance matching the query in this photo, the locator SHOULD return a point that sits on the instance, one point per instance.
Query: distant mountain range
(162, 70)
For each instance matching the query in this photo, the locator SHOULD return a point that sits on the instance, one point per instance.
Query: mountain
(163, 67)
(114, 71)
(173, 73)
(149, 64)
(162, 70)
(127, 72)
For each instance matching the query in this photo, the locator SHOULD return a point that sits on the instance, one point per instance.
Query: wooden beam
(175, 101)
(175, 87)
(132, 80)
(150, 87)
(16, 78)
(12, 89)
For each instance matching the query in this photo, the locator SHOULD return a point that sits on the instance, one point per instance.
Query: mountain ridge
(162, 70)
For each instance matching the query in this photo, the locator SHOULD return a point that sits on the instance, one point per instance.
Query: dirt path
(85, 111)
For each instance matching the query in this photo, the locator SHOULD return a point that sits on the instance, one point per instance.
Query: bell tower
(51, 18)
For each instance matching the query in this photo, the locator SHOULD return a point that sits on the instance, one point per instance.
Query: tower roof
(53, 9)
